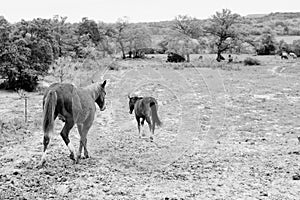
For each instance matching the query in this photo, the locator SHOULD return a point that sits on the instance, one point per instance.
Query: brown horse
(145, 108)
(74, 106)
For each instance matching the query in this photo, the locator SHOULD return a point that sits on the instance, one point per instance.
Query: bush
(251, 61)
(25, 57)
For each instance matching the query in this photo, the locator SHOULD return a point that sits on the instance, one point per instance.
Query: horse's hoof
(86, 156)
(151, 139)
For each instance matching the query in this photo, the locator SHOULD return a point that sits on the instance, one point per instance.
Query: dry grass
(227, 135)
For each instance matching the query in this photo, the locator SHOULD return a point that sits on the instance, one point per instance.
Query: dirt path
(226, 135)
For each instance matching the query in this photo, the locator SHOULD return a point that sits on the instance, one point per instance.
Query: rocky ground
(226, 134)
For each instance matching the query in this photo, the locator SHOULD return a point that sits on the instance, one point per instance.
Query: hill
(255, 15)
(282, 24)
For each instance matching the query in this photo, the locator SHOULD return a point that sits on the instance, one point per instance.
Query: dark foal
(145, 108)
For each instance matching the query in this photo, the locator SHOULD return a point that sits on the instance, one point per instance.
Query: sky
(137, 10)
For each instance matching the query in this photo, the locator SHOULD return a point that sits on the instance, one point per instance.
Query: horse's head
(132, 101)
(101, 98)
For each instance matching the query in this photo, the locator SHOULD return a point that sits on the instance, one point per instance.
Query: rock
(16, 173)
(263, 194)
(296, 177)
(62, 189)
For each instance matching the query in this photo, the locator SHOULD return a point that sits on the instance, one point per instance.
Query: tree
(187, 26)
(267, 44)
(121, 34)
(26, 52)
(90, 28)
(139, 39)
(188, 30)
(283, 46)
(222, 26)
(296, 47)
(63, 34)
(182, 45)
(107, 43)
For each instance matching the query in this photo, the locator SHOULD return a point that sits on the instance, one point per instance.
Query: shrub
(113, 66)
(251, 61)
(25, 57)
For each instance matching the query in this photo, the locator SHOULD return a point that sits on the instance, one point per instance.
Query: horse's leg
(79, 127)
(148, 120)
(139, 125)
(153, 128)
(65, 135)
(85, 130)
(143, 120)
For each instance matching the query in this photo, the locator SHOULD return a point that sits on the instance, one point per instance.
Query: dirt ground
(226, 134)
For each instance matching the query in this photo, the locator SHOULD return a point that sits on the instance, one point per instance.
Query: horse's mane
(94, 89)
(137, 97)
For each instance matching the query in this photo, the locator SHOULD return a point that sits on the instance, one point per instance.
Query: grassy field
(229, 132)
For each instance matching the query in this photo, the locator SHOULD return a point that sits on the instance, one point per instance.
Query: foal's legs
(79, 127)
(143, 120)
(139, 125)
(148, 120)
(65, 135)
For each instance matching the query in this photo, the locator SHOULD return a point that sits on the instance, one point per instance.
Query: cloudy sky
(137, 10)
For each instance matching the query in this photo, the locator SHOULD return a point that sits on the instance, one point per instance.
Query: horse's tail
(49, 108)
(155, 118)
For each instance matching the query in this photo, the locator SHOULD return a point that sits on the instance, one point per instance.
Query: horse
(73, 105)
(145, 108)
(284, 55)
(293, 55)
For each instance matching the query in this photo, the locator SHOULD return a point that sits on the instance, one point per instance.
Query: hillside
(282, 16)
(255, 15)
(274, 21)
(284, 25)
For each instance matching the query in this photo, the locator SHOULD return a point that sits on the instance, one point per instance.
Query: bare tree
(139, 38)
(121, 34)
(188, 29)
(222, 26)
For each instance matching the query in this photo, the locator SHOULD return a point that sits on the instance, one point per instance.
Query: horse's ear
(103, 84)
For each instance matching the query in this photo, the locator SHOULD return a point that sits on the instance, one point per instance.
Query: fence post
(25, 111)
(23, 95)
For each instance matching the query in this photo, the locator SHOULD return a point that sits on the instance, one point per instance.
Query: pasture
(229, 132)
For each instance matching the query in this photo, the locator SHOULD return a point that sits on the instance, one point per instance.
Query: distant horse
(284, 55)
(72, 105)
(293, 55)
(145, 108)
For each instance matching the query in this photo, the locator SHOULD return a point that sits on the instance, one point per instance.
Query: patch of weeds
(12, 131)
(114, 66)
(251, 61)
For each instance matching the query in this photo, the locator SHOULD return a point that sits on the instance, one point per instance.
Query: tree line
(29, 48)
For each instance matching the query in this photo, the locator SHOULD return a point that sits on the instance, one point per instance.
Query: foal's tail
(154, 114)
(49, 108)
